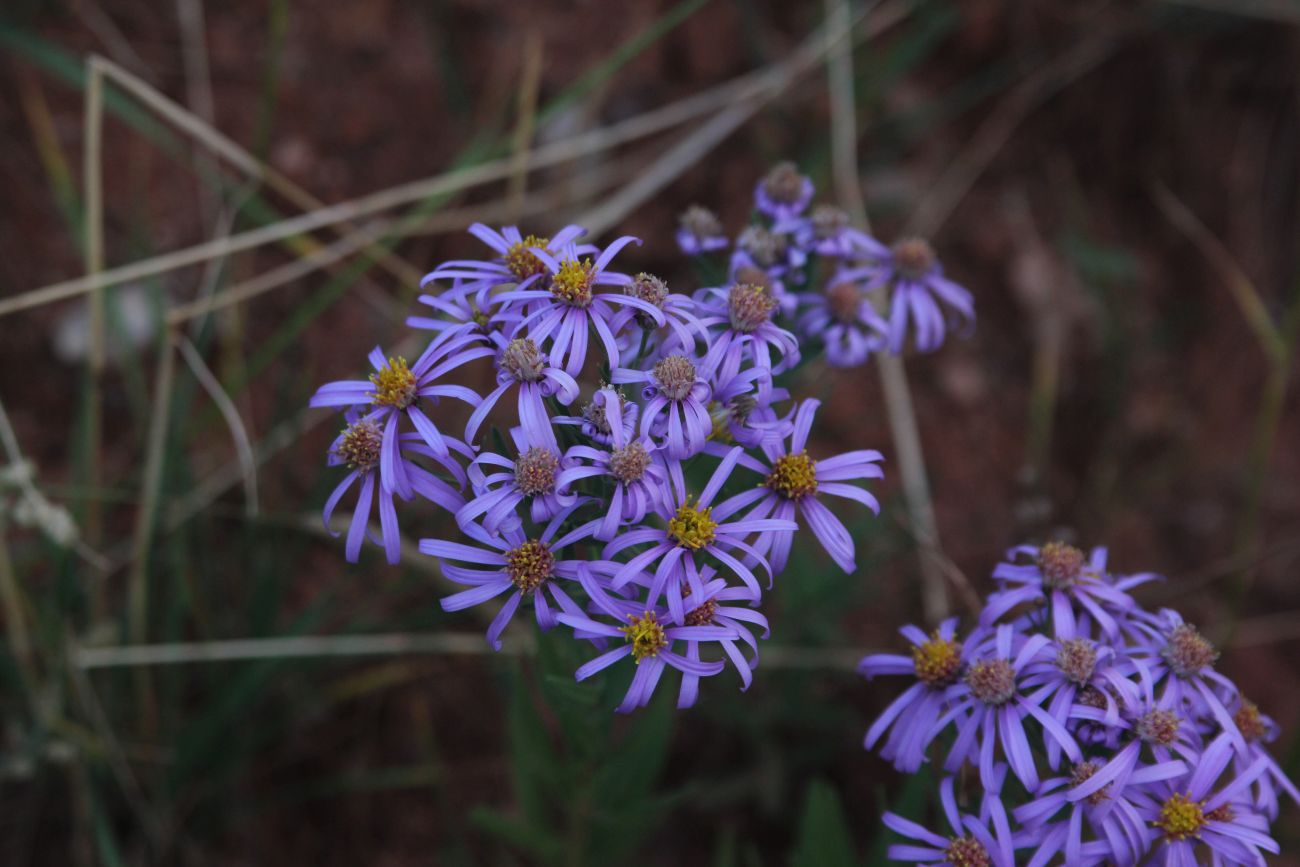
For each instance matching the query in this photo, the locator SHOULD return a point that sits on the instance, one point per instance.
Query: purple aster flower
(711, 610)
(826, 232)
(936, 660)
(522, 363)
(638, 479)
(676, 398)
(1184, 660)
(1061, 577)
(700, 231)
(1123, 835)
(649, 641)
(396, 391)
(741, 320)
(842, 317)
(792, 483)
(593, 421)
(692, 529)
(570, 306)
(973, 841)
(990, 710)
(1258, 730)
(462, 309)
(1188, 813)
(768, 257)
(529, 565)
(359, 447)
(534, 475)
(917, 286)
(516, 261)
(1071, 664)
(678, 313)
(783, 193)
(742, 411)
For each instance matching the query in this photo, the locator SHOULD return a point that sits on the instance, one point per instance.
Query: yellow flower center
(692, 528)
(1181, 817)
(529, 565)
(646, 635)
(522, 261)
(394, 385)
(937, 661)
(573, 282)
(793, 476)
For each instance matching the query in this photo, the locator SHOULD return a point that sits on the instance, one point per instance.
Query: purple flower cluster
(827, 275)
(648, 518)
(1099, 732)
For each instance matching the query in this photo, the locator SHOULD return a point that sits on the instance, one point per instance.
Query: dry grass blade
(739, 89)
(832, 35)
(243, 447)
(390, 644)
(150, 489)
(1233, 276)
(213, 140)
(529, 86)
(93, 228)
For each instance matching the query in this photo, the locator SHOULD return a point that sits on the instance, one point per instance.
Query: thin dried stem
(1252, 306)
(150, 490)
(93, 227)
(389, 644)
(202, 131)
(893, 376)
(243, 447)
(529, 85)
(739, 89)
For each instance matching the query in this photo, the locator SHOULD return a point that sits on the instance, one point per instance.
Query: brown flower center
(1187, 651)
(1081, 773)
(992, 681)
(675, 377)
(629, 464)
(844, 301)
(967, 852)
(360, 445)
(1076, 658)
(523, 360)
(535, 471)
(828, 221)
(766, 248)
(913, 257)
(783, 183)
(700, 222)
(749, 306)
(1158, 727)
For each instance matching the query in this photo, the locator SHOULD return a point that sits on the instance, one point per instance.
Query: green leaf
(824, 838)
